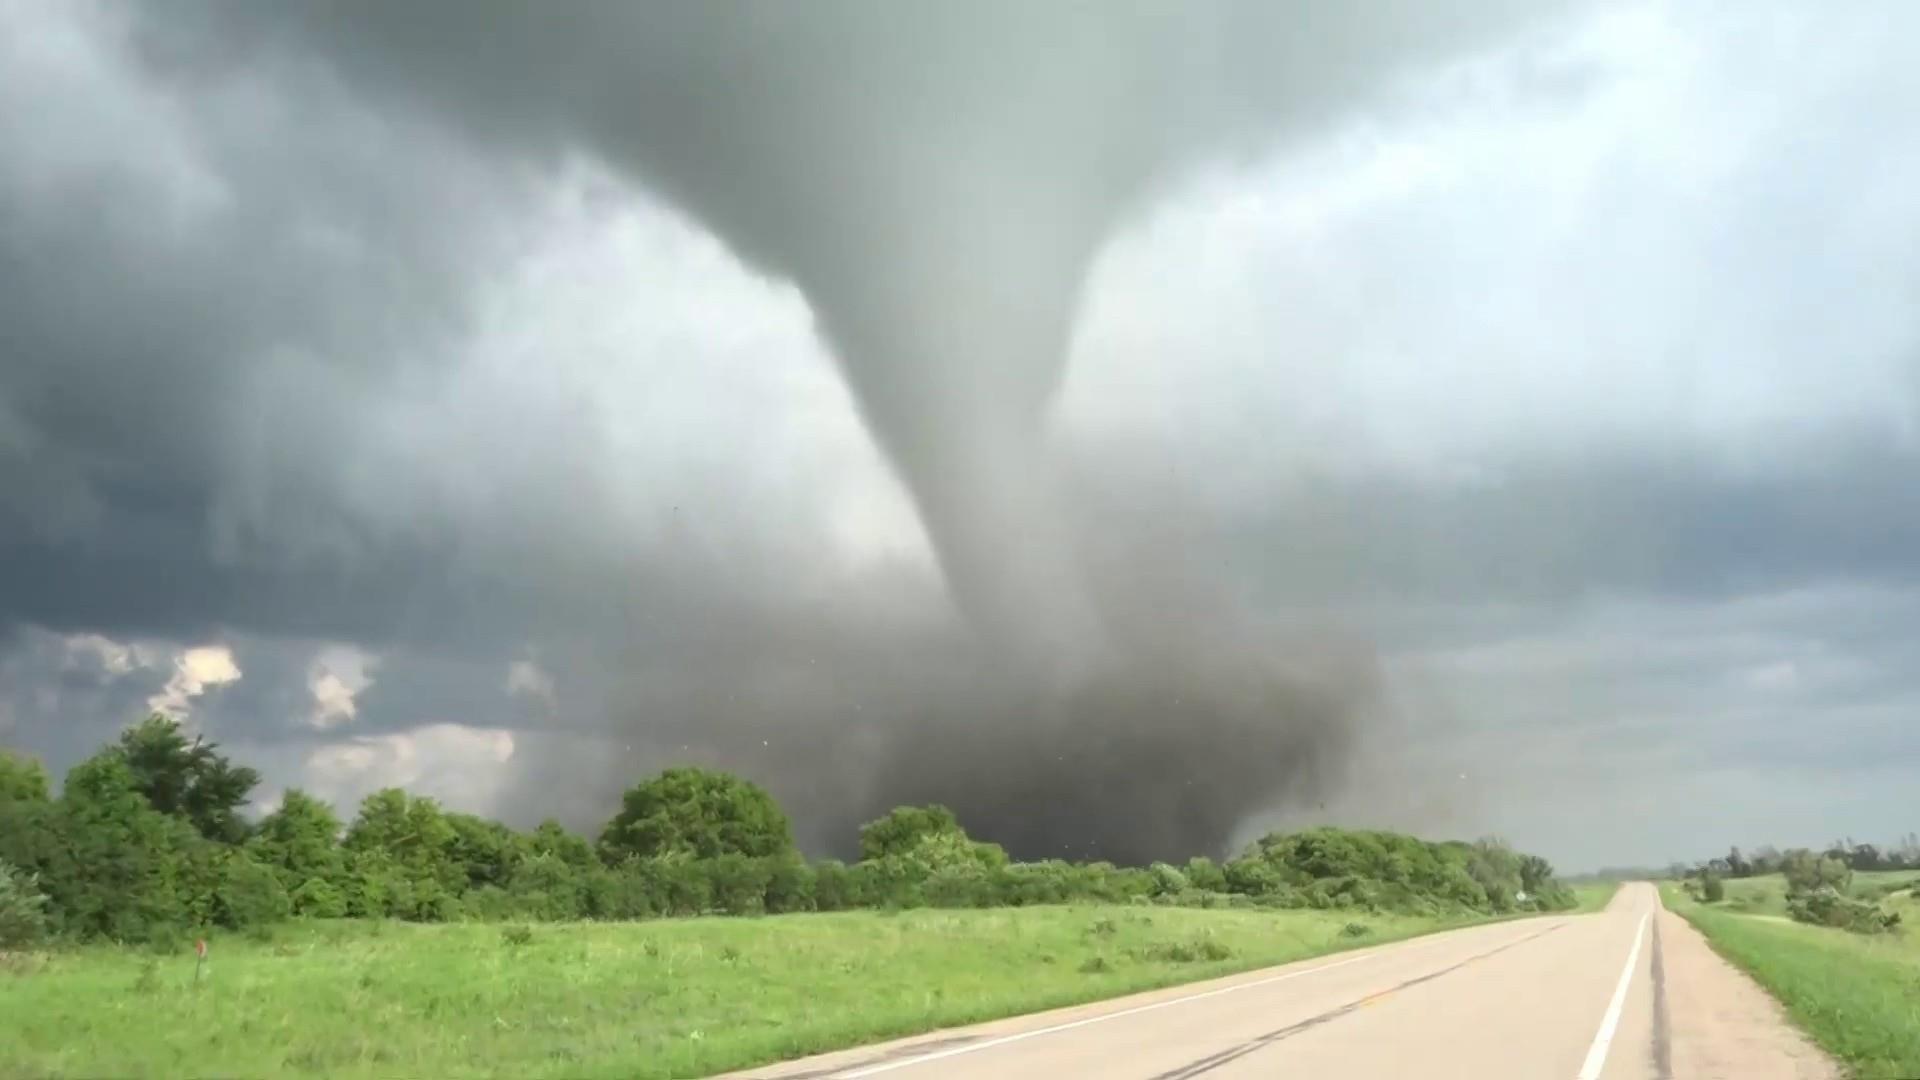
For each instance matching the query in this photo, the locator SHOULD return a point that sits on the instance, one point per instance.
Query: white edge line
(1603, 1039)
(970, 1048)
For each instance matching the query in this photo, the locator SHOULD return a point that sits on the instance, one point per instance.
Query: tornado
(937, 178)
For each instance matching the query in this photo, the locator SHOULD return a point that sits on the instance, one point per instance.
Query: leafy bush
(903, 828)
(1825, 906)
(23, 915)
(1204, 873)
(1341, 868)
(1168, 881)
(791, 885)
(1712, 889)
(22, 779)
(318, 898)
(248, 894)
(1807, 872)
(545, 887)
(835, 887)
(739, 884)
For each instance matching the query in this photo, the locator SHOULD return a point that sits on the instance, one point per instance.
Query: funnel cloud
(936, 179)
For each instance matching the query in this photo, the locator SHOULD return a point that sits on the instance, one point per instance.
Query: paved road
(1628, 994)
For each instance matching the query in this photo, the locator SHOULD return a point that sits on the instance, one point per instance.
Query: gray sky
(1531, 411)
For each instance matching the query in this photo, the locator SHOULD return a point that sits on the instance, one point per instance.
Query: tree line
(1904, 855)
(148, 840)
(1820, 885)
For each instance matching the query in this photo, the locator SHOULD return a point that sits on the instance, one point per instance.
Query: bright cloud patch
(337, 675)
(195, 671)
(460, 765)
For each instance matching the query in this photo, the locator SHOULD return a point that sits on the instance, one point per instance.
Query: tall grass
(668, 998)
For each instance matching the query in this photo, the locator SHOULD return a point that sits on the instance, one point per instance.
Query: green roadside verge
(1857, 996)
(659, 999)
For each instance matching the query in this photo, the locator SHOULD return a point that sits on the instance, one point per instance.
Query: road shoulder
(1722, 1025)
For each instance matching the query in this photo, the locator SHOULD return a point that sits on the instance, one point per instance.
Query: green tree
(904, 827)
(1801, 868)
(1712, 888)
(22, 779)
(696, 812)
(487, 851)
(122, 869)
(551, 838)
(1806, 871)
(403, 858)
(23, 909)
(246, 893)
(299, 841)
(188, 779)
(1206, 874)
(546, 887)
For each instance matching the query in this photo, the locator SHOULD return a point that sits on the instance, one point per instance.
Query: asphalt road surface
(1629, 994)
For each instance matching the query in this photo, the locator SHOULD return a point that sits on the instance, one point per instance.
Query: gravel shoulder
(1722, 1025)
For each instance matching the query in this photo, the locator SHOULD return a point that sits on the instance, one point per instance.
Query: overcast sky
(456, 416)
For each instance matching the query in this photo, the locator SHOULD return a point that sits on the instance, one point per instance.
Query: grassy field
(1767, 895)
(1593, 895)
(671, 998)
(1857, 996)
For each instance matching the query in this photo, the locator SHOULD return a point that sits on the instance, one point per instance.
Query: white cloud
(527, 677)
(462, 766)
(336, 676)
(195, 670)
(112, 656)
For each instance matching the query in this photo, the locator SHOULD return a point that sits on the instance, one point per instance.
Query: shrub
(739, 884)
(791, 885)
(631, 890)
(1168, 881)
(23, 915)
(1807, 872)
(248, 894)
(1825, 906)
(545, 887)
(300, 840)
(319, 898)
(1712, 889)
(1204, 873)
(903, 828)
(516, 936)
(835, 887)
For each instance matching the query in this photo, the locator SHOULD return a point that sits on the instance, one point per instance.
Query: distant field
(1857, 996)
(1594, 895)
(1767, 895)
(669, 998)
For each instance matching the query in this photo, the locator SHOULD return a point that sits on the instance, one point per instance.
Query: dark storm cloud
(940, 235)
(248, 258)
